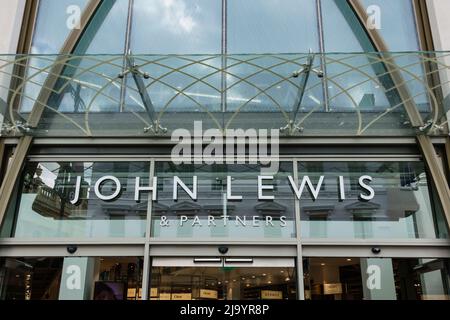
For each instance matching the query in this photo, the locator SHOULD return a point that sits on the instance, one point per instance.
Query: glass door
(211, 278)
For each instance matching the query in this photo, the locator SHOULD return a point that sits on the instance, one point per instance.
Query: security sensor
(376, 250)
(223, 249)
(72, 249)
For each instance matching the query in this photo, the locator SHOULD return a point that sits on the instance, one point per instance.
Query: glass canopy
(229, 64)
(367, 94)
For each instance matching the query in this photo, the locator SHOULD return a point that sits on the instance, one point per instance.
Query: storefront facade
(120, 179)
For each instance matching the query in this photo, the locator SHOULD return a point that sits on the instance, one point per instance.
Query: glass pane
(405, 36)
(376, 279)
(378, 200)
(215, 283)
(176, 27)
(71, 278)
(50, 32)
(117, 279)
(271, 26)
(52, 27)
(212, 215)
(360, 89)
(106, 35)
(362, 97)
(359, 82)
(262, 91)
(342, 30)
(30, 278)
(94, 89)
(178, 88)
(47, 205)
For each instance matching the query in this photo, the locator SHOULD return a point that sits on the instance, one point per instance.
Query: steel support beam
(447, 156)
(12, 173)
(437, 173)
(2, 154)
(380, 45)
(416, 120)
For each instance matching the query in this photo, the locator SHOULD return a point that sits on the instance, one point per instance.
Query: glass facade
(355, 279)
(120, 278)
(353, 207)
(337, 200)
(271, 26)
(217, 283)
(182, 53)
(404, 38)
(178, 27)
(30, 278)
(255, 26)
(60, 199)
(100, 278)
(214, 214)
(401, 206)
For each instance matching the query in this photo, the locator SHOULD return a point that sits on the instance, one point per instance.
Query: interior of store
(120, 278)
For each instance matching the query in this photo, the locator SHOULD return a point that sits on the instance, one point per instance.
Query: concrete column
(11, 14)
(378, 279)
(77, 278)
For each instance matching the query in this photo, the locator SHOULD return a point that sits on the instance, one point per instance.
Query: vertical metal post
(447, 155)
(147, 261)
(223, 84)
(323, 64)
(300, 281)
(300, 284)
(2, 154)
(126, 51)
(297, 203)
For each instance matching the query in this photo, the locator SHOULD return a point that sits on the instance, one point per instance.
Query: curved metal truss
(126, 95)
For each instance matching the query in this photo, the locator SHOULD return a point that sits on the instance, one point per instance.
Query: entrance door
(211, 278)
